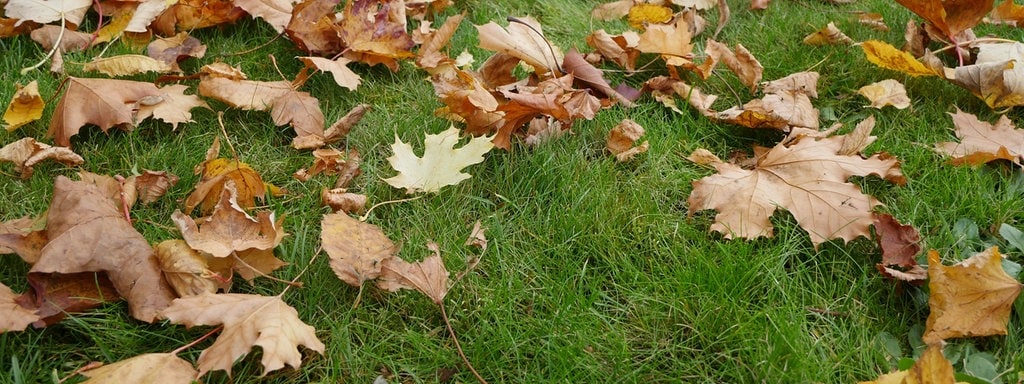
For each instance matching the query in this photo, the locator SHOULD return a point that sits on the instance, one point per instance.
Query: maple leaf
(286, 105)
(249, 320)
(808, 178)
(190, 272)
(672, 42)
(623, 137)
(429, 55)
(13, 317)
(277, 13)
(971, 298)
(102, 102)
(229, 229)
(1007, 12)
(173, 49)
(22, 237)
(950, 17)
(620, 49)
(52, 296)
(982, 142)
(27, 152)
(429, 276)
(216, 172)
(996, 76)
(829, 35)
(188, 15)
(441, 164)
(886, 92)
(356, 249)
(373, 33)
(26, 106)
(343, 76)
(524, 40)
(741, 62)
(172, 106)
(46, 11)
(312, 27)
(147, 368)
(786, 104)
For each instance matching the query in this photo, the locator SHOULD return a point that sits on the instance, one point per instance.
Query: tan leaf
(356, 249)
(229, 229)
(860, 138)
(145, 13)
(807, 178)
(341, 200)
(274, 12)
(72, 41)
(27, 152)
(969, 299)
(188, 15)
(253, 263)
(1007, 12)
(669, 87)
(152, 185)
(672, 42)
(148, 368)
(286, 105)
(620, 49)
(523, 42)
(176, 48)
(343, 76)
(244, 94)
(429, 55)
(584, 72)
(126, 65)
(215, 173)
(982, 142)
(703, 156)
(441, 164)
(477, 237)
(172, 106)
(997, 77)
(47, 11)
(613, 10)
(622, 140)
(13, 317)
(873, 20)
(428, 276)
(312, 27)
(102, 102)
(26, 106)
(344, 125)
(88, 232)
(191, 273)
(741, 62)
(829, 35)
(23, 237)
(886, 92)
(222, 70)
(249, 320)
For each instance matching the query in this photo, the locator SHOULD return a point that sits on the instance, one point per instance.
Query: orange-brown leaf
(13, 317)
(26, 106)
(356, 249)
(969, 299)
(105, 103)
(229, 229)
(27, 152)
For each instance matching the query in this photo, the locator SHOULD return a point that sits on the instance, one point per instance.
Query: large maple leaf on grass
(249, 320)
(808, 178)
(982, 142)
(971, 298)
(441, 164)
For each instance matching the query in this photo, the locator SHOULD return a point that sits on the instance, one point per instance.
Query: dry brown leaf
(152, 185)
(807, 178)
(374, 33)
(982, 142)
(584, 72)
(429, 55)
(27, 152)
(328, 161)
(477, 237)
(253, 263)
(341, 200)
(26, 106)
(873, 20)
(950, 17)
(88, 232)
(526, 43)
(857, 140)
(24, 237)
(441, 165)
(338, 68)
(13, 317)
(312, 27)
(931, 368)
(52, 296)
(900, 245)
(229, 229)
(147, 368)
(176, 48)
(286, 105)
(969, 299)
(356, 249)
(613, 10)
(172, 106)
(244, 94)
(126, 65)
(741, 62)
(188, 15)
(622, 140)
(665, 89)
(190, 272)
(996, 76)
(340, 129)
(105, 103)
(1007, 12)
(672, 42)
(886, 92)
(829, 35)
(429, 276)
(218, 171)
(249, 320)
(620, 49)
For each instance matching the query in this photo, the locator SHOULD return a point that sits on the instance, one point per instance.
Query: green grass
(594, 270)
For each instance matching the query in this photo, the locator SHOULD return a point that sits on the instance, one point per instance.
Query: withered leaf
(899, 243)
(277, 13)
(22, 237)
(524, 40)
(105, 103)
(190, 272)
(172, 106)
(829, 35)
(341, 200)
(950, 17)
(151, 185)
(13, 317)
(971, 298)
(995, 77)
(52, 296)
(26, 106)
(356, 249)
(27, 152)
(429, 276)
(338, 68)
(44, 12)
(173, 49)
(230, 229)
(622, 140)
(672, 42)
(886, 92)
(741, 62)
(249, 320)
(147, 368)
(374, 34)
(312, 27)
(126, 65)
(982, 142)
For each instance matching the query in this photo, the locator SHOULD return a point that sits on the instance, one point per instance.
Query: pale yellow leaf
(441, 164)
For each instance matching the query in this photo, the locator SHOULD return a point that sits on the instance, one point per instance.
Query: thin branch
(295, 281)
(367, 214)
(458, 346)
(220, 120)
(56, 46)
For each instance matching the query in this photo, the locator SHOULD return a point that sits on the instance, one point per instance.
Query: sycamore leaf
(356, 249)
(27, 152)
(429, 276)
(26, 106)
(622, 140)
(950, 16)
(524, 40)
(808, 178)
(148, 368)
(969, 299)
(249, 320)
(88, 232)
(886, 92)
(886, 56)
(102, 102)
(982, 142)
(13, 317)
(190, 272)
(441, 164)
(229, 229)
(997, 76)
(47, 11)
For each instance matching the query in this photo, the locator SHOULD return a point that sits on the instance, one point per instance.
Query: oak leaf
(429, 276)
(147, 368)
(356, 249)
(27, 152)
(105, 103)
(808, 178)
(229, 229)
(982, 142)
(26, 106)
(249, 320)
(13, 317)
(886, 92)
(524, 40)
(971, 298)
(441, 164)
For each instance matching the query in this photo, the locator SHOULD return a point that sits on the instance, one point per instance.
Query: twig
(978, 40)
(220, 120)
(458, 346)
(554, 57)
(56, 46)
(295, 281)
(367, 214)
(197, 341)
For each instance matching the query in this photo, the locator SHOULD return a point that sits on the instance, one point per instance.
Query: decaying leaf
(373, 33)
(1007, 12)
(441, 164)
(26, 106)
(274, 12)
(286, 105)
(188, 15)
(47, 11)
(147, 368)
(619, 49)
(249, 320)
(997, 76)
(341, 200)
(311, 27)
(982, 142)
(229, 228)
(886, 92)
(829, 35)
(786, 104)
(105, 103)
(24, 237)
(931, 368)
(477, 237)
(429, 276)
(741, 62)
(969, 299)
(27, 152)
(672, 42)
(900, 245)
(886, 56)
(623, 137)
(176, 48)
(52, 296)
(808, 178)
(172, 106)
(216, 172)
(344, 125)
(950, 17)
(13, 317)
(338, 68)
(126, 65)
(152, 185)
(356, 249)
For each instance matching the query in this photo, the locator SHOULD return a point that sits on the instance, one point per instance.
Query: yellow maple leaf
(26, 106)
(440, 165)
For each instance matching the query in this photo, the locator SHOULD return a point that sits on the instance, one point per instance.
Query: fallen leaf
(373, 33)
(343, 76)
(312, 27)
(613, 10)
(172, 106)
(27, 152)
(642, 14)
(672, 42)
(286, 105)
(860, 138)
(593, 78)
(619, 49)
(429, 55)
(190, 272)
(886, 56)
(356, 249)
(188, 15)
(249, 320)
(176, 48)
(126, 65)
(900, 245)
(982, 142)
(229, 229)
(344, 125)
(786, 105)
(969, 299)
(524, 40)
(23, 237)
(873, 20)
(622, 140)
(47, 11)
(441, 164)
(13, 317)
(807, 178)
(996, 76)
(341, 200)
(253, 263)
(829, 35)
(741, 62)
(1007, 12)
(105, 103)
(950, 17)
(147, 368)
(931, 367)
(152, 185)
(886, 92)
(145, 13)
(216, 172)
(53, 296)
(429, 276)
(664, 89)
(477, 237)
(277, 13)
(26, 106)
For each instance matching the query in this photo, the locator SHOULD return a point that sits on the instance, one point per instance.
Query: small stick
(458, 346)
(367, 214)
(197, 341)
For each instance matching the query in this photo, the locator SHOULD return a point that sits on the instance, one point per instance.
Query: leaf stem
(367, 214)
(56, 46)
(458, 346)
(197, 341)
(978, 40)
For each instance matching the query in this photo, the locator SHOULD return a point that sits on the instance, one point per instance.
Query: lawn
(595, 270)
